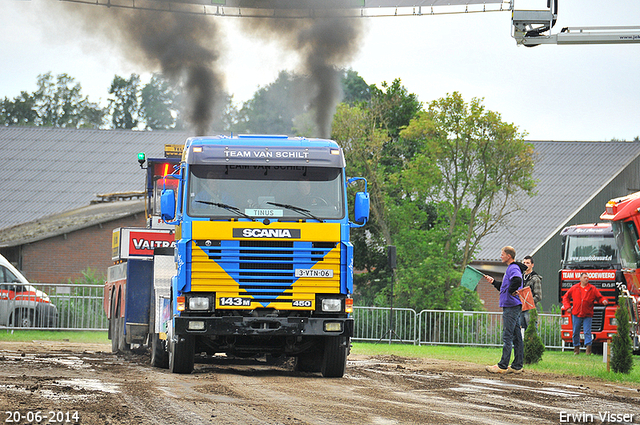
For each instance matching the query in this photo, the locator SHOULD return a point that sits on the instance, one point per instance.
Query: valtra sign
(139, 243)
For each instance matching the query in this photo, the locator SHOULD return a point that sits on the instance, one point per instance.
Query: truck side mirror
(168, 205)
(361, 208)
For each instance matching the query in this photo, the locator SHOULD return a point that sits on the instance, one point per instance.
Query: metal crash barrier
(52, 306)
(80, 307)
(443, 327)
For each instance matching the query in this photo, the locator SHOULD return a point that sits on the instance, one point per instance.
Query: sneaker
(496, 369)
(512, 370)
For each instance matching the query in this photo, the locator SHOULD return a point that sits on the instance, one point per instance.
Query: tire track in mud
(121, 389)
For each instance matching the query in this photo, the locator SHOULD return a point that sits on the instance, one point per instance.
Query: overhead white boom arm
(530, 29)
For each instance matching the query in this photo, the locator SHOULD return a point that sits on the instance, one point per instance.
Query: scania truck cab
(263, 262)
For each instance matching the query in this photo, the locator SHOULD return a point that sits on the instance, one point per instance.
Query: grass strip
(88, 337)
(556, 362)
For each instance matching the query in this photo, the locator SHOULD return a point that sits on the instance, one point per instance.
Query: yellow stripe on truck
(209, 276)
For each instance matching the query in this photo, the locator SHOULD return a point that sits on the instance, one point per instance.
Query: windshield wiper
(228, 208)
(302, 211)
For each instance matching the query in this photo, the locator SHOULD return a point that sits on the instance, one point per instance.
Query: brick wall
(488, 293)
(64, 257)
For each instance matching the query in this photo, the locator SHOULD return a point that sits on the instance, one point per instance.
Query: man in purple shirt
(511, 310)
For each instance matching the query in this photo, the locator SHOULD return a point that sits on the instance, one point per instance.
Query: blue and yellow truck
(262, 263)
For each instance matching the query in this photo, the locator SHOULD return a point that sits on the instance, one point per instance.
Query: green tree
(225, 115)
(533, 345)
(19, 111)
(393, 106)
(472, 164)
(447, 178)
(157, 100)
(354, 88)
(622, 360)
(59, 103)
(363, 130)
(283, 106)
(124, 105)
(354, 128)
(272, 108)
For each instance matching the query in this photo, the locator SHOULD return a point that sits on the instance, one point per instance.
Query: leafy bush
(533, 346)
(80, 302)
(622, 360)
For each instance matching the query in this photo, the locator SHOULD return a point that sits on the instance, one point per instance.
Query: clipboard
(526, 297)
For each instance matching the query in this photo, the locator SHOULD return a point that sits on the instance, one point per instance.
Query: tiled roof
(568, 175)
(69, 221)
(46, 171)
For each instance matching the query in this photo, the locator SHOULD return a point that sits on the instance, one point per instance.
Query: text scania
(145, 244)
(267, 233)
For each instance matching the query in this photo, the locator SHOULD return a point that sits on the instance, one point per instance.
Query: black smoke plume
(181, 46)
(324, 44)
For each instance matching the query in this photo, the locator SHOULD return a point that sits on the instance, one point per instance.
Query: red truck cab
(624, 214)
(591, 248)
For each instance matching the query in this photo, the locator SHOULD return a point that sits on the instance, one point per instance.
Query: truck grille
(598, 319)
(265, 270)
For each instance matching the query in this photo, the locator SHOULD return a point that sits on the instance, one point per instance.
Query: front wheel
(182, 354)
(334, 361)
(310, 362)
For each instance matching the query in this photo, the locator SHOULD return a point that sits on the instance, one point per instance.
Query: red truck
(625, 220)
(591, 248)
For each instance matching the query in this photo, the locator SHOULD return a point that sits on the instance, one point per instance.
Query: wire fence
(80, 307)
(52, 306)
(443, 327)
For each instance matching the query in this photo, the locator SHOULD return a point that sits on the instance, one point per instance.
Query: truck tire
(24, 318)
(182, 354)
(113, 322)
(334, 361)
(159, 355)
(122, 341)
(310, 362)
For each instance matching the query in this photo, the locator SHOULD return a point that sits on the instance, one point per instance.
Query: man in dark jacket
(582, 296)
(511, 309)
(534, 280)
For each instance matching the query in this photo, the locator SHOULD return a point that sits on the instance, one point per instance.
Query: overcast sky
(582, 92)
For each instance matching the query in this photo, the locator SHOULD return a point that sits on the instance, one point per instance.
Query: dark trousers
(511, 338)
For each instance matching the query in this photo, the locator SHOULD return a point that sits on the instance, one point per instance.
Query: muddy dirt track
(59, 379)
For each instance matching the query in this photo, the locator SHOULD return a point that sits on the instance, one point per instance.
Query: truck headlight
(564, 321)
(199, 303)
(333, 327)
(196, 325)
(613, 321)
(332, 305)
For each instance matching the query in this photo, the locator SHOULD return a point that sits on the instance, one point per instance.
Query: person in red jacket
(582, 297)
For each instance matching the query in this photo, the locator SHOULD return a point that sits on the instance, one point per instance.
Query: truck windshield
(627, 237)
(595, 251)
(281, 193)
